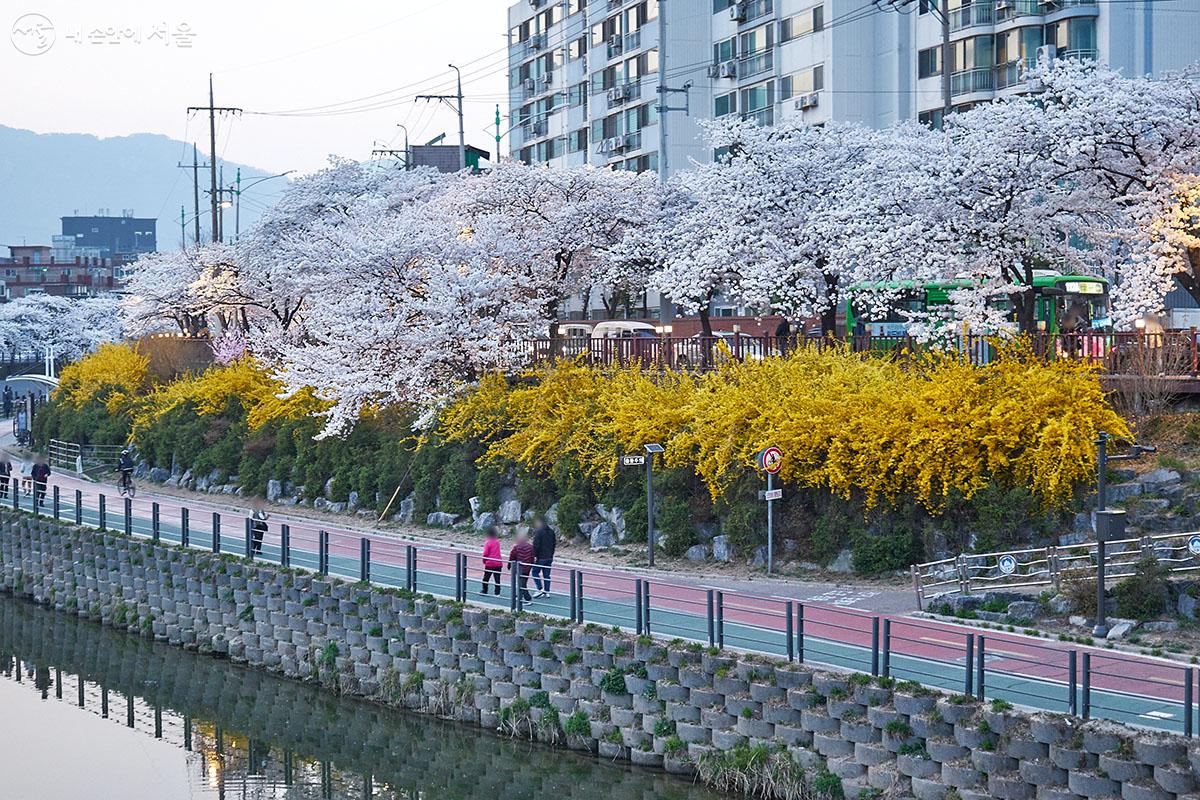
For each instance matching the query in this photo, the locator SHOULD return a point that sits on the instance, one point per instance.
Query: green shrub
(746, 525)
(675, 526)
(1143, 595)
(886, 552)
(488, 483)
(456, 483)
(571, 508)
(577, 725)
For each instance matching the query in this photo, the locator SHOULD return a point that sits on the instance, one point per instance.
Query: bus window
(1078, 313)
(873, 316)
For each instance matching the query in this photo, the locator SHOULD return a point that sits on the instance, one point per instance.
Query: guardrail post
(103, 514)
(78, 506)
(458, 578)
(184, 533)
(874, 645)
(712, 618)
(800, 633)
(56, 503)
(789, 629)
(364, 560)
(964, 577)
(1087, 685)
(1189, 678)
(216, 531)
(916, 579)
(155, 522)
(1052, 564)
(15, 484)
(886, 669)
(637, 591)
(515, 583)
(1072, 684)
(285, 545)
(579, 593)
(720, 619)
(980, 667)
(410, 568)
(249, 539)
(322, 552)
(129, 516)
(969, 681)
(646, 606)
(574, 596)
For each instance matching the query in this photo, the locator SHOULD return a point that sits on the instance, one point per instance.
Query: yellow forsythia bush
(115, 374)
(849, 423)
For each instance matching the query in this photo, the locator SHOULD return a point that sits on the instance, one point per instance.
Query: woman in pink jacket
(492, 560)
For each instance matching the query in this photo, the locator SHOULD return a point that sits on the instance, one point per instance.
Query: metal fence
(82, 458)
(1047, 567)
(1036, 673)
(1168, 354)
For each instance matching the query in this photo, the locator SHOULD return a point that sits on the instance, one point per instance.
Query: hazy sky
(112, 67)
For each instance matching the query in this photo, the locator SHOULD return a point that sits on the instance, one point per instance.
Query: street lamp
(651, 451)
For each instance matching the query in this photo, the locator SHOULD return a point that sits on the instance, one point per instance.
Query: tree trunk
(1190, 278)
(829, 315)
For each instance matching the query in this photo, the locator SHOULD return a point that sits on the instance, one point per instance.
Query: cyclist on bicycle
(125, 467)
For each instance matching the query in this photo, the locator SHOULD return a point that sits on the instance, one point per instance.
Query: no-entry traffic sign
(770, 460)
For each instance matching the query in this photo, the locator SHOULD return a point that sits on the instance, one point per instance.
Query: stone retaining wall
(657, 704)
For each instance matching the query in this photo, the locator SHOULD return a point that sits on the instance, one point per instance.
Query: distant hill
(44, 176)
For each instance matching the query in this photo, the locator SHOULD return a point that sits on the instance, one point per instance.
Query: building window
(929, 62)
(1074, 38)
(577, 95)
(925, 6)
(757, 40)
(931, 119)
(526, 155)
(725, 104)
(977, 52)
(575, 6)
(802, 24)
(802, 82)
(577, 48)
(725, 50)
(721, 5)
(577, 141)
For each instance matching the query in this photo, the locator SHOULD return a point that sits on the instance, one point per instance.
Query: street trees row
(374, 285)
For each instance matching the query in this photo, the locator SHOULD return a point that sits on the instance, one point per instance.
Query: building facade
(42, 269)
(120, 238)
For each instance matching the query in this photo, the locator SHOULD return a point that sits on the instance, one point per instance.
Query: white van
(623, 329)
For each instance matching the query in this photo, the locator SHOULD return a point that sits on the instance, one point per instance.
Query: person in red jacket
(493, 562)
(520, 558)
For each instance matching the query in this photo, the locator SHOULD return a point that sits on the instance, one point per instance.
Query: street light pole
(651, 451)
(462, 136)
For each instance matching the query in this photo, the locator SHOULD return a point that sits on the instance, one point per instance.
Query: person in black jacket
(543, 554)
(5, 474)
(41, 475)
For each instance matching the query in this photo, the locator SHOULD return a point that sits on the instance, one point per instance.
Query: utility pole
(940, 8)
(498, 134)
(183, 227)
(407, 154)
(664, 91)
(237, 208)
(195, 168)
(447, 98)
(212, 110)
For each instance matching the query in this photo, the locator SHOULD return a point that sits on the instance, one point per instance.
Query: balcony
(1083, 54)
(971, 81)
(1013, 73)
(974, 14)
(1011, 9)
(633, 41)
(756, 64)
(764, 116)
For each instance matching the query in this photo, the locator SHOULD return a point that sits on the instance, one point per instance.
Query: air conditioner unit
(546, 80)
(1046, 55)
(613, 95)
(614, 42)
(537, 41)
(714, 70)
(737, 12)
(529, 84)
(605, 146)
(538, 128)
(537, 3)
(807, 101)
(727, 69)
(621, 142)
(1004, 5)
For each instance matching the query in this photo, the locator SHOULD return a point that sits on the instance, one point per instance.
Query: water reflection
(247, 734)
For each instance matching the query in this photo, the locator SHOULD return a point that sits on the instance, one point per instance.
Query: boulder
(274, 490)
(441, 519)
(759, 558)
(552, 516)
(202, 484)
(602, 535)
(1119, 631)
(1188, 605)
(1061, 604)
(484, 521)
(352, 501)
(613, 516)
(1160, 626)
(327, 490)
(722, 550)
(510, 511)
(159, 475)
(336, 508)
(319, 503)
(474, 503)
(1160, 478)
(697, 552)
(843, 563)
(1122, 491)
(1024, 609)
(404, 512)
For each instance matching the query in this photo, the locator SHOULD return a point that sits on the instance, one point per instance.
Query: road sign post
(646, 460)
(770, 460)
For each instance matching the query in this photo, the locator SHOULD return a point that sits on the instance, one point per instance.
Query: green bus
(1064, 304)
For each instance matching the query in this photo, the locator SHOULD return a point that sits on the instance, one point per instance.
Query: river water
(87, 712)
